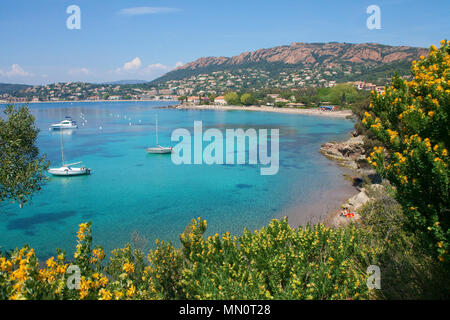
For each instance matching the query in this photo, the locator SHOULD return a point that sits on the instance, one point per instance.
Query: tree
(21, 167)
(411, 120)
(343, 99)
(232, 98)
(247, 99)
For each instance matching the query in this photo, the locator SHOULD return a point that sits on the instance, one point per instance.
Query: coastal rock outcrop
(347, 153)
(353, 205)
(351, 154)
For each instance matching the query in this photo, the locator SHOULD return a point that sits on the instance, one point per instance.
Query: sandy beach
(313, 112)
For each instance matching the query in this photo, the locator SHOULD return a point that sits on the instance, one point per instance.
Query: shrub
(408, 270)
(276, 262)
(411, 120)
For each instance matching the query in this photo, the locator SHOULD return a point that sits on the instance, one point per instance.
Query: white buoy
(101, 128)
(129, 124)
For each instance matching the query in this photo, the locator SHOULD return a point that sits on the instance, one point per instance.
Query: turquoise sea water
(131, 192)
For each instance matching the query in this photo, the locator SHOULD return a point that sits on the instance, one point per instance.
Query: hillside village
(203, 89)
(291, 68)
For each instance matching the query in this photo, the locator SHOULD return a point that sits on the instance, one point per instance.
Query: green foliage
(232, 98)
(247, 99)
(411, 120)
(276, 262)
(341, 94)
(21, 167)
(408, 270)
(12, 88)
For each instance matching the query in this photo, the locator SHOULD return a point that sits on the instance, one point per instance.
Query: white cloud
(132, 65)
(16, 71)
(79, 71)
(178, 64)
(135, 68)
(146, 10)
(155, 68)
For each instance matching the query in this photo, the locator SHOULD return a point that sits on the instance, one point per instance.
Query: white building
(220, 101)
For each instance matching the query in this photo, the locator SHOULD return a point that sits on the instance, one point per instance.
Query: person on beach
(344, 212)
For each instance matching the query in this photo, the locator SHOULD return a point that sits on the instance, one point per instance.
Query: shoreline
(84, 101)
(314, 112)
(321, 209)
(326, 207)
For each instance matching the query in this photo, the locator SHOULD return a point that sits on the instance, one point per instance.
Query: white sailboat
(158, 148)
(68, 169)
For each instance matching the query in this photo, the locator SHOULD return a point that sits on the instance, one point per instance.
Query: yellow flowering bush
(411, 119)
(275, 262)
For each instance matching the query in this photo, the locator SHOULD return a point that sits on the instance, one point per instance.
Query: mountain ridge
(300, 52)
(356, 59)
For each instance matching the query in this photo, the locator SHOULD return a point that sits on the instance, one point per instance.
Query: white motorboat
(68, 169)
(158, 148)
(67, 123)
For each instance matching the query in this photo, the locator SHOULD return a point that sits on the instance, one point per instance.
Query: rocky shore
(351, 154)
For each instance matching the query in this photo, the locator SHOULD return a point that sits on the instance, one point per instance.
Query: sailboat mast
(62, 150)
(156, 130)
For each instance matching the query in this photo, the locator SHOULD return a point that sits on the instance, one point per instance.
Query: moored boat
(158, 149)
(67, 123)
(68, 170)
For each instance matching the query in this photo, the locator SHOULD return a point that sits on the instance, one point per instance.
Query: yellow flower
(105, 294)
(128, 267)
(51, 262)
(81, 232)
(431, 113)
(118, 294)
(131, 291)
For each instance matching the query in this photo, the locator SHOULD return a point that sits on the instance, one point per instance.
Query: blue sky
(142, 39)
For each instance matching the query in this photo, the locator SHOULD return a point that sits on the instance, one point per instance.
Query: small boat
(68, 169)
(67, 123)
(158, 148)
